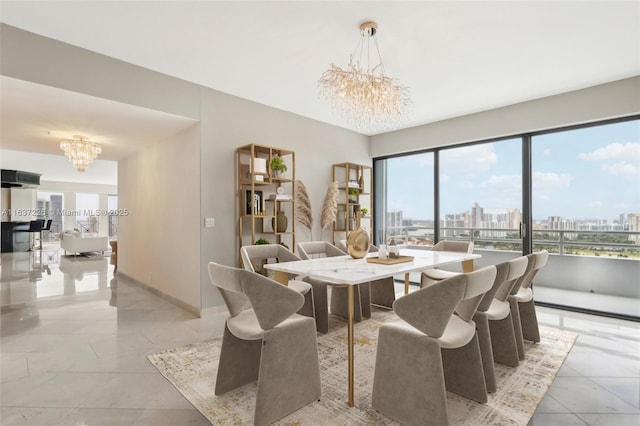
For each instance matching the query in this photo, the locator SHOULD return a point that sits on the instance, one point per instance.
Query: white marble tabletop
(346, 270)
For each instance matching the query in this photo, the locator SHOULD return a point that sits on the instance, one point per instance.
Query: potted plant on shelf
(278, 166)
(364, 211)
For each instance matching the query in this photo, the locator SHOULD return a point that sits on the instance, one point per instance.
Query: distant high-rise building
(634, 226)
(394, 222)
(57, 215)
(477, 215)
(43, 209)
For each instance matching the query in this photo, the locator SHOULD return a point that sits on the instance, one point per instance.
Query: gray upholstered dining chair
(361, 300)
(523, 310)
(265, 253)
(383, 292)
(437, 274)
(430, 350)
(490, 309)
(265, 340)
(504, 345)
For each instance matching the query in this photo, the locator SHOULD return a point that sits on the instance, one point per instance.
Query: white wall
(159, 239)
(616, 99)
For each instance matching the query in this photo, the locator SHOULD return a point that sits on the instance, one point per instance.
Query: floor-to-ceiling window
(574, 192)
(50, 205)
(481, 194)
(87, 208)
(585, 210)
(407, 211)
(112, 207)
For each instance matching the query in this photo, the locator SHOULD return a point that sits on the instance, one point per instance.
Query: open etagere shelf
(354, 183)
(258, 197)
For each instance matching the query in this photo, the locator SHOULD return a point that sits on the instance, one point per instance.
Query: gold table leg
(406, 283)
(350, 340)
(467, 266)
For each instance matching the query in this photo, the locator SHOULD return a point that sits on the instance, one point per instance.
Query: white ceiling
(456, 57)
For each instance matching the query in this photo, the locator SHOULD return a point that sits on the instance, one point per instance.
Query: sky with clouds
(589, 173)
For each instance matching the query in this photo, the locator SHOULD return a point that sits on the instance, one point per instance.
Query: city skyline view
(586, 174)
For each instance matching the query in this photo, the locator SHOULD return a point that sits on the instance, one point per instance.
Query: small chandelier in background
(367, 97)
(80, 151)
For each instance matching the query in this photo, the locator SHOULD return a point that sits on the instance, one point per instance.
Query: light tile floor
(73, 345)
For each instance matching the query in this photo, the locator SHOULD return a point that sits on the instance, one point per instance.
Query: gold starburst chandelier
(80, 151)
(366, 96)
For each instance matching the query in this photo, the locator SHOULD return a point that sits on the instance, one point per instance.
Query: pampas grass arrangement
(330, 206)
(303, 206)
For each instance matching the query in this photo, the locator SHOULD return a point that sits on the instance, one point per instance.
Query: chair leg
(517, 326)
(308, 309)
(463, 372)
(503, 342)
(365, 299)
(339, 302)
(408, 382)
(289, 371)
(239, 362)
(484, 341)
(529, 321)
(320, 306)
(383, 293)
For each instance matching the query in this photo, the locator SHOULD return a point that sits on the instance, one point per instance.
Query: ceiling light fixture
(367, 97)
(80, 151)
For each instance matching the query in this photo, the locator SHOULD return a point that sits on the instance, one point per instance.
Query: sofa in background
(75, 242)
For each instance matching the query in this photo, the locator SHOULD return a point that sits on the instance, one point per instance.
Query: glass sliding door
(480, 197)
(87, 208)
(586, 213)
(404, 211)
(50, 205)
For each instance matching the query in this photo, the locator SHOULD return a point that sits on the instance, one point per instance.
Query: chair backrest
(313, 249)
(536, 261)
(517, 268)
(478, 283)
(342, 245)
(541, 258)
(265, 252)
(36, 225)
(271, 302)
(47, 226)
(227, 280)
(502, 272)
(430, 308)
(458, 246)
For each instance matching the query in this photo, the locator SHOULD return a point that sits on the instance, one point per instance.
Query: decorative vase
(358, 243)
(280, 222)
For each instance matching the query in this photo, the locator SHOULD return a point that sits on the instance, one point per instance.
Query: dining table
(348, 271)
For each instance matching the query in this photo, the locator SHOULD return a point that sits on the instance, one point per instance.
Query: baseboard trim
(187, 307)
(214, 310)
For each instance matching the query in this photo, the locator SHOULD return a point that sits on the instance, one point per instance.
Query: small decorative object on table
(394, 251)
(358, 243)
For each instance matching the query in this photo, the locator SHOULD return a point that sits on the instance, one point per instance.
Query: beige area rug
(192, 370)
